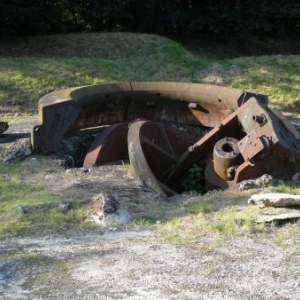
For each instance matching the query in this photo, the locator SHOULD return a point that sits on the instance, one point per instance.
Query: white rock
(120, 217)
(270, 214)
(275, 200)
(111, 213)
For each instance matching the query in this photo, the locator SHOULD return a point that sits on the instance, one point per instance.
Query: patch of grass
(76, 60)
(205, 218)
(145, 221)
(32, 258)
(44, 215)
(274, 75)
(287, 237)
(54, 272)
(33, 66)
(290, 188)
(234, 220)
(197, 208)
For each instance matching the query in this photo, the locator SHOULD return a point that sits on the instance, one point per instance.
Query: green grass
(33, 66)
(276, 76)
(76, 60)
(44, 216)
(217, 216)
(289, 188)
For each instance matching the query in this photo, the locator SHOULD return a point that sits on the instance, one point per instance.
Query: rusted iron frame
(153, 152)
(92, 106)
(275, 142)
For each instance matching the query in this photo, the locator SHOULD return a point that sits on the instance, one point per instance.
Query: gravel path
(136, 264)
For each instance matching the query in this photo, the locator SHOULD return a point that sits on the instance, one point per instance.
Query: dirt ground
(136, 262)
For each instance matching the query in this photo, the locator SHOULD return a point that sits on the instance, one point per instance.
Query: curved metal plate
(153, 152)
(105, 104)
(109, 145)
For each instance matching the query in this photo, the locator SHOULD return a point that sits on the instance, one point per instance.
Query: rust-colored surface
(109, 145)
(87, 107)
(226, 156)
(246, 140)
(153, 152)
(243, 146)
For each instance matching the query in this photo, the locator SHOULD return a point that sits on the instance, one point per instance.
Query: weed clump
(195, 179)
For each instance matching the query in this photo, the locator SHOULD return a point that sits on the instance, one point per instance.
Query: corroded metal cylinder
(226, 156)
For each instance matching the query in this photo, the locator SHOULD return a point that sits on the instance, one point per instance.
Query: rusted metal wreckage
(246, 137)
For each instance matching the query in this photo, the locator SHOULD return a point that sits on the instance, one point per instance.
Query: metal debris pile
(245, 138)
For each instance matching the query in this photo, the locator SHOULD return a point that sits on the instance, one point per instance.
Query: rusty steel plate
(263, 138)
(81, 108)
(263, 141)
(251, 145)
(109, 145)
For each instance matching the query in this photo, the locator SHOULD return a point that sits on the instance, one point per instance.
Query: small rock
(121, 217)
(64, 206)
(275, 200)
(109, 205)
(69, 171)
(84, 170)
(261, 182)
(49, 177)
(111, 213)
(18, 150)
(271, 214)
(22, 210)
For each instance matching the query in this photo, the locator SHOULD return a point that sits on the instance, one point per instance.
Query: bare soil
(136, 262)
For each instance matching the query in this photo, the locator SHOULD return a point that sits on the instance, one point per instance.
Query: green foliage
(195, 179)
(291, 188)
(197, 208)
(44, 213)
(159, 16)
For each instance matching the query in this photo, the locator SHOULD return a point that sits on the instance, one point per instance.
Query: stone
(271, 214)
(120, 217)
(49, 177)
(64, 206)
(109, 205)
(32, 209)
(111, 213)
(261, 182)
(19, 150)
(275, 200)
(22, 210)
